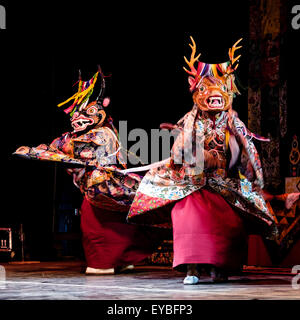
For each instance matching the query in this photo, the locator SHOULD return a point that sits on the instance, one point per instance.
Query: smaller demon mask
(89, 115)
(85, 115)
(212, 85)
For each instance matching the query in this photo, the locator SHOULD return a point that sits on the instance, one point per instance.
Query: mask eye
(224, 88)
(202, 88)
(91, 110)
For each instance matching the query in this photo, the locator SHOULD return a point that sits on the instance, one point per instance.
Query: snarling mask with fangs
(212, 95)
(85, 115)
(213, 85)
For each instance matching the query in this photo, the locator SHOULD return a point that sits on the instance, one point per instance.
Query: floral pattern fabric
(98, 174)
(240, 186)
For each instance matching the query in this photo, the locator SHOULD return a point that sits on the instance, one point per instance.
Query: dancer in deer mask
(109, 242)
(212, 180)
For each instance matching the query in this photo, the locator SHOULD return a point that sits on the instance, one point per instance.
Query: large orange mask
(212, 95)
(213, 85)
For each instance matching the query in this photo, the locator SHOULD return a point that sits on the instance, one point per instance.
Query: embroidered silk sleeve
(245, 138)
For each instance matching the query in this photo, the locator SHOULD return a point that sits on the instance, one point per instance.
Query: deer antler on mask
(213, 85)
(224, 72)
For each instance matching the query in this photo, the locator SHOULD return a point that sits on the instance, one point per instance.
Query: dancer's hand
(23, 150)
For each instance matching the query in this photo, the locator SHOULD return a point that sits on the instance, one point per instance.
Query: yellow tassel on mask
(79, 96)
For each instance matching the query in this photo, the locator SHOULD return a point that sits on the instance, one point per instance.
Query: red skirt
(206, 230)
(109, 241)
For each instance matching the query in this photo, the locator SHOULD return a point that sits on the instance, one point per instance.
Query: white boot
(130, 267)
(193, 275)
(99, 272)
(191, 280)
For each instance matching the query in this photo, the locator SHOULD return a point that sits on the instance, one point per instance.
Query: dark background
(41, 51)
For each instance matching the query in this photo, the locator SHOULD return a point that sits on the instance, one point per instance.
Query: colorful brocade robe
(97, 155)
(239, 186)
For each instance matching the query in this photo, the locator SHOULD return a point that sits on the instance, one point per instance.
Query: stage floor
(67, 281)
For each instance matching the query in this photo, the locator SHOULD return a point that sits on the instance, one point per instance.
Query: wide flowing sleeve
(249, 156)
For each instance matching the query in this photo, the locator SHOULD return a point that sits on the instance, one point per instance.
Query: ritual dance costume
(110, 244)
(212, 181)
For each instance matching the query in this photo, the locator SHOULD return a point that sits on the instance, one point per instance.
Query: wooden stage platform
(66, 281)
